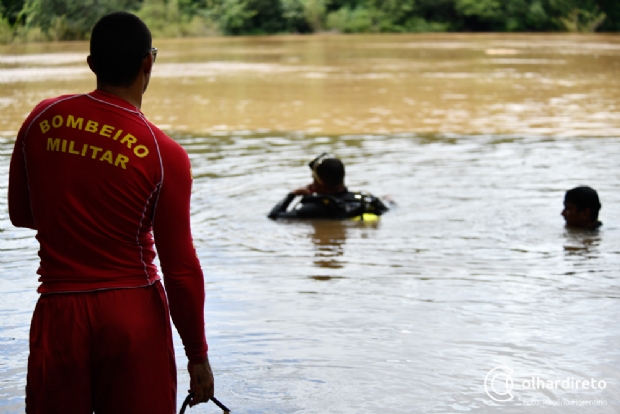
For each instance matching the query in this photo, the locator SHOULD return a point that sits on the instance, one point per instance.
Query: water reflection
(583, 243)
(328, 238)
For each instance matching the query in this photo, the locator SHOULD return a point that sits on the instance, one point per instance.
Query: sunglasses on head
(314, 164)
(318, 161)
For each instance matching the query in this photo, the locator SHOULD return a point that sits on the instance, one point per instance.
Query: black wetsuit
(339, 206)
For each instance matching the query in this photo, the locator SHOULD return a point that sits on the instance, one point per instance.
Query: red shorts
(108, 351)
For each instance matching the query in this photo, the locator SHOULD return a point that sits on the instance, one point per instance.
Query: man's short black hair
(331, 171)
(584, 197)
(118, 44)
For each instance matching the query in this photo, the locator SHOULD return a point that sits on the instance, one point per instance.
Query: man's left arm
(183, 277)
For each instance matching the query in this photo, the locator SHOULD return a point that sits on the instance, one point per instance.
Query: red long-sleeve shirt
(97, 180)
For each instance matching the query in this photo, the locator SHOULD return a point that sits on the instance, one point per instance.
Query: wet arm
(279, 211)
(307, 210)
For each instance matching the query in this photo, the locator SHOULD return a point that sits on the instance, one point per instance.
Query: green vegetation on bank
(32, 20)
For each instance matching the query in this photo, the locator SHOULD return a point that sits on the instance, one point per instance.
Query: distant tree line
(73, 19)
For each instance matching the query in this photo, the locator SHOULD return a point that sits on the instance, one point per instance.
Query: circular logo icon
(498, 384)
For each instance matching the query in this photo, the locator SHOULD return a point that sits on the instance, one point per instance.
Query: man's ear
(89, 60)
(147, 64)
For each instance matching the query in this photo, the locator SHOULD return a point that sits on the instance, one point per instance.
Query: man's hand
(307, 190)
(201, 382)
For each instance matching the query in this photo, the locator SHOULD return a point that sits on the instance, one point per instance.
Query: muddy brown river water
(476, 138)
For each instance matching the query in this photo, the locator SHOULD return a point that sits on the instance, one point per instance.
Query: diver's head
(581, 207)
(328, 172)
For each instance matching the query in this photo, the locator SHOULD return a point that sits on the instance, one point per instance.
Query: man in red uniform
(102, 185)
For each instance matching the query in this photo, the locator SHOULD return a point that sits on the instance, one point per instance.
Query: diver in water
(581, 208)
(327, 197)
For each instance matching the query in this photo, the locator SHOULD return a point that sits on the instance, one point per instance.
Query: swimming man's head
(581, 207)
